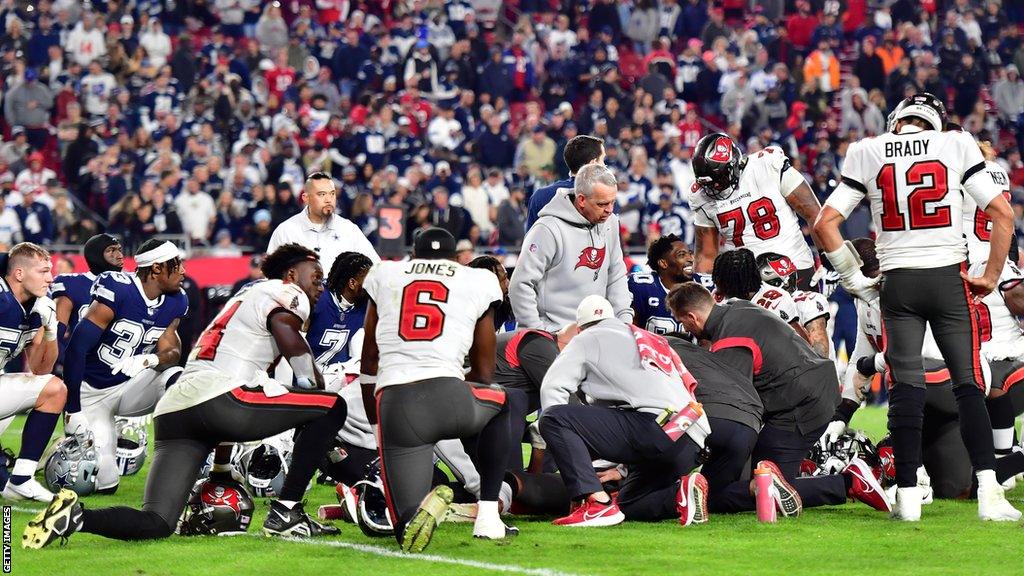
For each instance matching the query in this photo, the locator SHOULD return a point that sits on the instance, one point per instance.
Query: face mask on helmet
(73, 465)
(265, 470)
(216, 508)
(131, 445)
(373, 516)
(837, 456)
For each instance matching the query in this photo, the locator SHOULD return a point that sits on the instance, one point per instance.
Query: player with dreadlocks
(503, 316)
(671, 263)
(225, 395)
(736, 276)
(336, 326)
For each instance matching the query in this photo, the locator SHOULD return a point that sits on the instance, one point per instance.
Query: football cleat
(432, 510)
(61, 519)
(908, 504)
(30, 489)
(787, 500)
(462, 512)
(294, 523)
(488, 524)
(591, 513)
(864, 487)
(692, 499)
(6, 463)
(992, 505)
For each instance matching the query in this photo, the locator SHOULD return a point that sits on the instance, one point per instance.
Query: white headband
(162, 253)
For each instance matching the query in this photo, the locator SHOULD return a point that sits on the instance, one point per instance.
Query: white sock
(289, 504)
(221, 468)
(23, 467)
(986, 479)
(487, 511)
(1003, 439)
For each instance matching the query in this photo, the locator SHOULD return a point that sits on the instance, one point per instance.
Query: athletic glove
(132, 365)
(47, 311)
(833, 431)
(871, 364)
(76, 424)
(847, 264)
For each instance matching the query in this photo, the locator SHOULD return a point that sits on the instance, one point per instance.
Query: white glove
(847, 263)
(76, 424)
(132, 365)
(536, 440)
(47, 310)
(833, 431)
(880, 362)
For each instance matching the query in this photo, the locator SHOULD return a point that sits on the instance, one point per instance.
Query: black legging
(185, 438)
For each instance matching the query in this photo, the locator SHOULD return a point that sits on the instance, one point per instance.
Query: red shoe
(592, 513)
(865, 487)
(787, 500)
(692, 499)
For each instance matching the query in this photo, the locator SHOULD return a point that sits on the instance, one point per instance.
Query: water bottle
(763, 494)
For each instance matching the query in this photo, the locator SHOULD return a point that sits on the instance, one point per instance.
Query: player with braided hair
(336, 326)
(736, 277)
(504, 318)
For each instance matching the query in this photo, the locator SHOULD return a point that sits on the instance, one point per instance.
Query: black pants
(729, 445)
(351, 468)
(576, 435)
(414, 417)
(787, 449)
(910, 300)
(185, 438)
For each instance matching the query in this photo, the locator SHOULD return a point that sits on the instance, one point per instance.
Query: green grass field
(846, 539)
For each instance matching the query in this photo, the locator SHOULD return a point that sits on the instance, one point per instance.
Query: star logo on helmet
(62, 480)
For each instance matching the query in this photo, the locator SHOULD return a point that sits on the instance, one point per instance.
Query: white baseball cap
(592, 309)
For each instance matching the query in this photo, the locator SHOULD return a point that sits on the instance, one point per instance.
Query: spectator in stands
(536, 153)
(85, 42)
(822, 67)
(35, 219)
(511, 219)
(477, 202)
(10, 224)
(197, 211)
(870, 67)
(15, 152)
(28, 105)
(1008, 94)
(259, 233)
(271, 29)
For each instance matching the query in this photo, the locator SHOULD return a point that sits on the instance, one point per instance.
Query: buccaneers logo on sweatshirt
(591, 257)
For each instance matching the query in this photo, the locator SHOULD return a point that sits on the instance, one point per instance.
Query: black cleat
(294, 523)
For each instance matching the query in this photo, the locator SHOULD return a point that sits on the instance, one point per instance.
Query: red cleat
(692, 499)
(865, 487)
(592, 513)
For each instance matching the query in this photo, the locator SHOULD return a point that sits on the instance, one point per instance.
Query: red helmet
(216, 507)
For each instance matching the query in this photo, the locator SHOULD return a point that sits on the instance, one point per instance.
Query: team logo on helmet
(783, 266)
(591, 257)
(216, 495)
(721, 151)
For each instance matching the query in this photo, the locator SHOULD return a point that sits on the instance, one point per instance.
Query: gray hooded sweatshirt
(564, 259)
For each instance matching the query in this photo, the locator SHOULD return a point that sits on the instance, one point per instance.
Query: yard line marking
(385, 552)
(25, 510)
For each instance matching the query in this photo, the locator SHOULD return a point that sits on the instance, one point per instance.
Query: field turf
(850, 539)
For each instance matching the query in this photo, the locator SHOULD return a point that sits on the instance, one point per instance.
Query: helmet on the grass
(131, 445)
(73, 465)
(216, 507)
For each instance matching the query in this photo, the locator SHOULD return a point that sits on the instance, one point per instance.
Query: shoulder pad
(109, 286)
(293, 299)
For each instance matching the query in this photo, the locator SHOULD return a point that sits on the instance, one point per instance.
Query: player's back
(238, 341)
(776, 301)
(915, 182)
(78, 289)
(427, 312)
(1001, 336)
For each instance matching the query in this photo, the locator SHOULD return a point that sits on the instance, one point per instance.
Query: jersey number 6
(421, 319)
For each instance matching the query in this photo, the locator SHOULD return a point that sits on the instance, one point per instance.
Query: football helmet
(131, 445)
(372, 514)
(221, 507)
(838, 455)
(925, 106)
(777, 270)
(717, 164)
(886, 461)
(265, 468)
(73, 465)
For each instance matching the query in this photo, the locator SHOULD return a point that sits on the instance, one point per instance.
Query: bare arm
(1002, 229)
(168, 347)
(286, 329)
(369, 363)
(817, 336)
(705, 243)
(64, 308)
(481, 355)
(1014, 299)
(804, 203)
(800, 331)
(40, 355)
(825, 231)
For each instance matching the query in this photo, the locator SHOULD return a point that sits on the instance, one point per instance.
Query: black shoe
(294, 523)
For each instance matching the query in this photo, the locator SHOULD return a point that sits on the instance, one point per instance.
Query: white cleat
(30, 489)
(907, 507)
(488, 524)
(992, 505)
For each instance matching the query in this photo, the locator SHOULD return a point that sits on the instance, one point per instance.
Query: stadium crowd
(203, 118)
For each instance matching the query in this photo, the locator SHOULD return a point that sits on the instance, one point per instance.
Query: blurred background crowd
(201, 118)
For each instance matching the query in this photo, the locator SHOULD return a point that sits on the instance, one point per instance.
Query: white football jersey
(237, 347)
(915, 182)
(1001, 336)
(778, 301)
(426, 315)
(977, 224)
(756, 215)
(810, 306)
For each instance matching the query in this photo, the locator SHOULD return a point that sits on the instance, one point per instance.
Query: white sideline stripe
(385, 552)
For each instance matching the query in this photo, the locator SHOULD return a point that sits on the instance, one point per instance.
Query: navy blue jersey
(137, 325)
(652, 312)
(331, 329)
(78, 289)
(17, 325)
